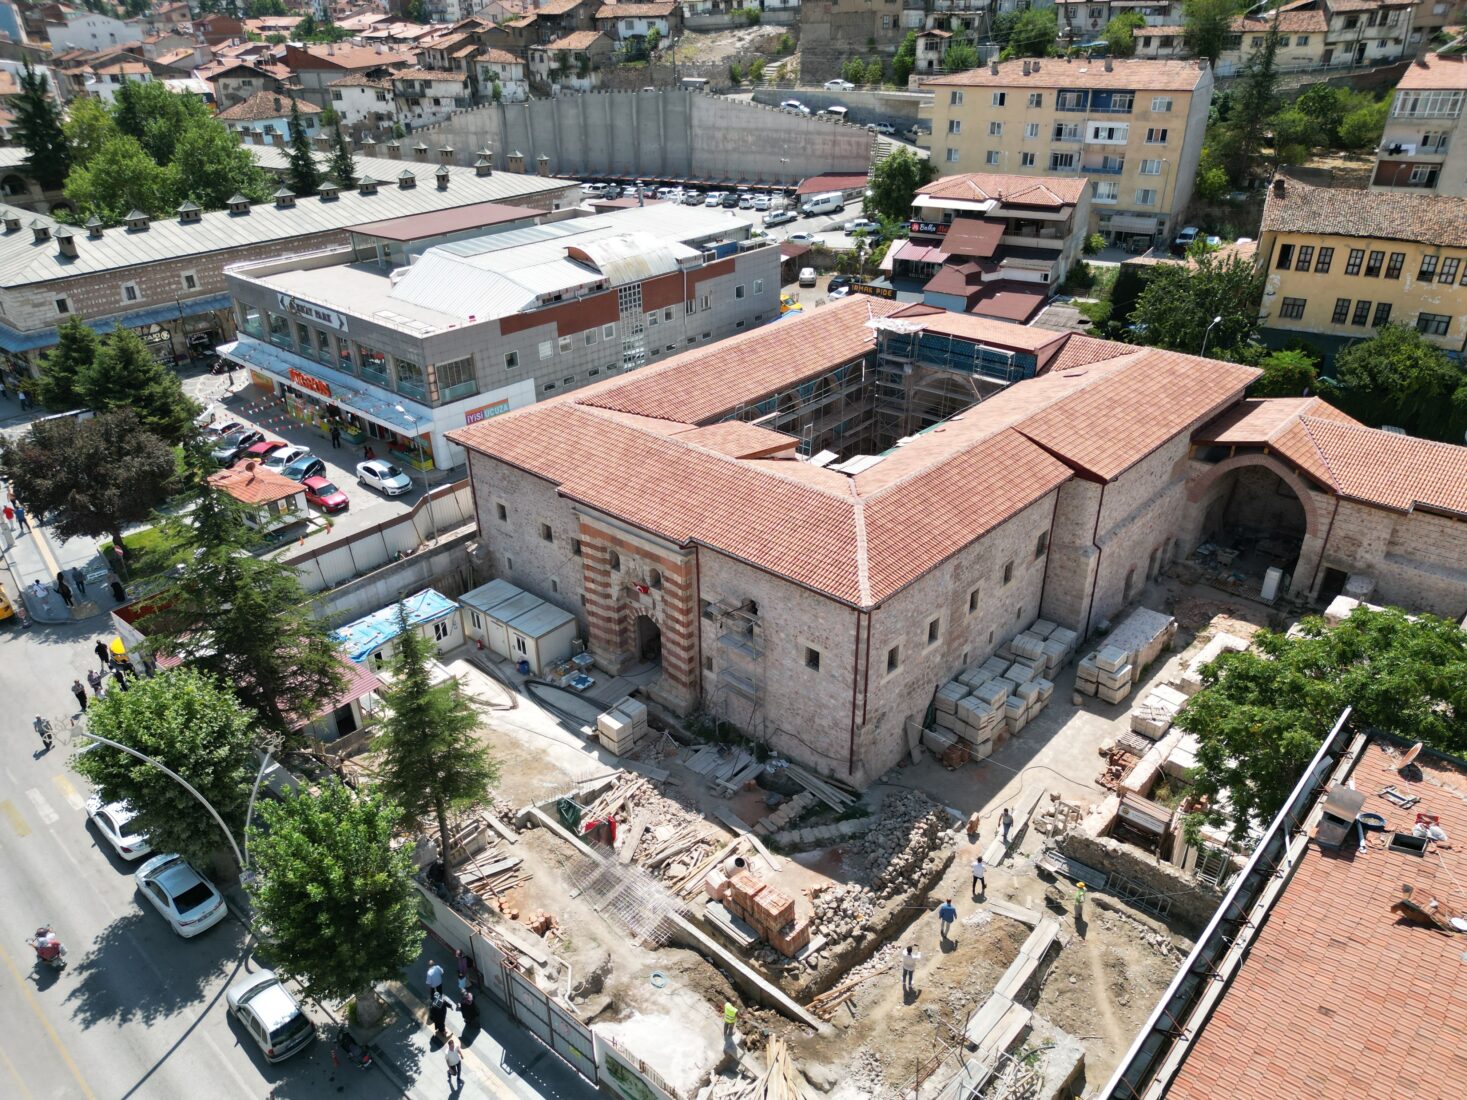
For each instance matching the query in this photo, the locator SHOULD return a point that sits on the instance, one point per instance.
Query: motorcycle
(48, 948)
(354, 1051)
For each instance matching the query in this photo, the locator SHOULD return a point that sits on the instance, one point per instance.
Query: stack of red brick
(768, 910)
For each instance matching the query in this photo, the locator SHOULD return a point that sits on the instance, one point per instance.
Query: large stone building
(815, 523)
(1134, 127)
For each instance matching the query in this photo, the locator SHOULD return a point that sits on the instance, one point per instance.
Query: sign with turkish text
(320, 314)
(484, 412)
(938, 229)
(875, 291)
(306, 382)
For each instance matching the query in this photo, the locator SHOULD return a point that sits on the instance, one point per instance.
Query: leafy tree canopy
(1398, 378)
(119, 179)
(1263, 713)
(1362, 127)
(193, 725)
(894, 182)
(1120, 34)
(124, 374)
(905, 60)
(89, 126)
(960, 57)
(1207, 24)
(1030, 33)
(212, 167)
(1180, 302)
(77, 345)
(1291, 372)
(157, 116)
(38, 129)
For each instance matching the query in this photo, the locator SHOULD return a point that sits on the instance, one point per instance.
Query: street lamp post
(428, 492)
(1216, 320)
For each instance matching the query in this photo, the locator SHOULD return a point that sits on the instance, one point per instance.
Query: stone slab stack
(787, 812)
(1154, 715)
(622, 728)
(1221, 643)
(1113, 669)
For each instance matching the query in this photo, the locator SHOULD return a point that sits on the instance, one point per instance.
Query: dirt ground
(1350, 169)
(714, 46)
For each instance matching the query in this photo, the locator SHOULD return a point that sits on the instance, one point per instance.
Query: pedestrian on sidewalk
(21, 523)
(100, 649)
(434, 977)
(95, 679)
(438, 1014)
(79, 579)
(980, 875)
(1006, 822)
(909, 970)
(947, 912)
(118, 593)
(463, 969)
(25, 400)
(335, 436)
(455, 1059)
(9, 513)
(80, 693)
(121, 679)
(64, 590)
(469, 1011)
(41, 593)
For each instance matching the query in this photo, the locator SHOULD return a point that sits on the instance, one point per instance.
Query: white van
(831, 202)
(837, 113)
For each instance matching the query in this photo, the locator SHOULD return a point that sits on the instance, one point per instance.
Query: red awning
(921, 254)
(973, 237)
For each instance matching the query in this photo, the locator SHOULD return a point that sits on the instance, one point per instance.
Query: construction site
(644, 875)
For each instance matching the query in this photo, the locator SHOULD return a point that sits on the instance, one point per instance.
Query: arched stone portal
(649, 639)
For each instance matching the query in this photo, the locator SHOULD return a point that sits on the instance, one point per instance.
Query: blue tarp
(366, 636)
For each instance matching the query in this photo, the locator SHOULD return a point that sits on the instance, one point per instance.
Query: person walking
(25, 400)
(100, 649)
(438, 1014)
(1079, 902)
(115, 584)
(730, 1018)
(909, 970)
(946, 914)
(43, 727)
(9, 514)
(1005, 823)
(64, 590)
(434, 977)
(95, 679)
(463, 969)
(469, 1011)
(41, 593)
(80, 693)
(21, 523)
(335, 436)
(120, 677)
(79, 579)
(455, 1059)
(980, 875)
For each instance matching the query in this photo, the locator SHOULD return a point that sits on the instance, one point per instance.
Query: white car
(801, 237)
(185, 898)
(282, 457)
(715, 198)
(761, 203)
(794, 106)
(862, 225)
(383, 476)
(838, 85)
(271, 1015)
(779, 217)
(881, 128)
(807, 276)
(112, 821)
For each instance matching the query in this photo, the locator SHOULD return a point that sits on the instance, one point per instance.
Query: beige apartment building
(1133, 127)
(1423, 149)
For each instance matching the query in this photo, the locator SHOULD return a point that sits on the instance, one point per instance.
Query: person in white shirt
(455, 1060)
(909, 969)
(980, 875)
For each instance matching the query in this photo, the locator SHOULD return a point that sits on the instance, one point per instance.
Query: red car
(324, 495)
(260, 451)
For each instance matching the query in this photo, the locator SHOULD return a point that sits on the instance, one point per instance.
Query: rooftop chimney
(394, 149)
(483, 168)
(993, 65)
(1109, 65)
(189, 213)
(12, 222)
(328, 190)
(406, 180)
(367, 146)
(137, 220)
(516, 163)
(322, 142)
(284, 198)
(40, 230)
(94, 228)
(367, 186)
(238, 204)
(542, 164)
(420, 151)
(1278, 187)
(66, 241)
(1026, 67)
(442, 176)
(445, 154)
(276, 104)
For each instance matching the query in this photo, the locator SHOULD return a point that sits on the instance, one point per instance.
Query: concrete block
(1027, 645)
(1065, 637)
(949, 694)
(1043, 628)
(1110, 658)
(994, 692)
(939, 741)
(947, 721)
(971, 677)
(1114, 694)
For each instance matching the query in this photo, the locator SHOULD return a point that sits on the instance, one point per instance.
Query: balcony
(416, 390)
(463, 389)
(1068, 139)
(374, 373)
(1101, 170)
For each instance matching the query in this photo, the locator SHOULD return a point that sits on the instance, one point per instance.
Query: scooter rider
(49, 948)
(43, 727)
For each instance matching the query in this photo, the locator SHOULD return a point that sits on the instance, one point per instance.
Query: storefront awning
(342, 389)
(1131, 223)
(921, 254)
(15, 341)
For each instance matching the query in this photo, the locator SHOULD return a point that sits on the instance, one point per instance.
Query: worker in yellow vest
(730, 1017)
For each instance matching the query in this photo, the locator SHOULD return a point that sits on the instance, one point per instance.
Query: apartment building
(994, 245)
(1424, 146)
(422, 97)
(572, 63)
(1134, 127)
(1083, 20)
(1341, 263)
(479, 326)
(269, 113)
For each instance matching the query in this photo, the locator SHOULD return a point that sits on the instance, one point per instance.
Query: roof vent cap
(40, 230)
(137, 220)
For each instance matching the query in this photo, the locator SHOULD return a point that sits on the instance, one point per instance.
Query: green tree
(38, 129)
(960, 57)
(88, 127)
(1398, 378)
(1262, 714)
(1180, 301)
(190, 723)
(1327, 106)
(416, 11)
(430, 760)
(756, 70)
(853, 71)
(1295, 136)
(211, 167)
(1256, 100)
(1362, 127)
(242, 617)
(894, 182)
(1032, 34)
(157, 116)
(1206, 26)
(735, 73)
(122, 178)
(343, 167)
(90, 477)
(124, 374)
(335, 892)
(905, 60)
(302, 176)
(875, 72)
(1120, 34)
(1291, 372)
(62, 367)
(786, 43)
(654, 39)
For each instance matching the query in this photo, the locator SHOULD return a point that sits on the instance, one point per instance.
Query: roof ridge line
(863, 555)
(1324, 460)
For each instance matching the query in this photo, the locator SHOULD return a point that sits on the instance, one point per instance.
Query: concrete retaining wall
(725, 21)
(1192, 903)
(897, 108)
(446, 567)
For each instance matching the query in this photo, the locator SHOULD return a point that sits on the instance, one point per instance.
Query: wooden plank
(1015, 912)
(502, 829)
(634, 835)
(736, 823)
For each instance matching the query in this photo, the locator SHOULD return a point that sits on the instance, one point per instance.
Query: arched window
(614, 559)
(654, 579)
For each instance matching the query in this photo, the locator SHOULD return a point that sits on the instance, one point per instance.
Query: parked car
(839, 284)
(714, 198)
(1184, 239)
(881, 128)
(307, 465)
(760, 203)
(807, 276)
(383, 476)
(730, 201)
(182, 896)
(258, 452)
(779, 217)
(112, 821)
(795, 107)
(324, 495)
(746, 202)
(693, 198)
(838, 85)
(593, 188)
(271, 1015)
(863, 225)
(222, 427)
(282, 457)
(802, 237)
(235, 443)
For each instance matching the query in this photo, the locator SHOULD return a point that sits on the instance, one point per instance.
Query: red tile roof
(1434, 71)
(1337, 997)
(1049, 191)
(255, 486)
(578, 40)
(1142, 75)
(263, 105)
(1382, 215)
(1008, 300)
(973, 237)
(830, 181)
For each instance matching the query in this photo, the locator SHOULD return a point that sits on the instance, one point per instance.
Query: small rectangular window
(1448, 274)
(951, 156)
(934, 630)
(1362, 313)
(565, 343)
(972, 601)
(1008, 572)
(758, 286)
(1354, 261)
(190, 281)
(1382, 314)
(1031, 130)
(546, 534)
(501, 512)
(1156, 135)
(1293, 308)
(1306, 257)
(995, 129)
(511, 360)
(1342, 311)
(992, 158)
(1000, 98)
(739, 291)
(1041, 545)
(955, 126)
(63, 306)
(1145, 196)
(893, 658)
(1433, 324)
(129, 292)
(1326, 257)
(812, 659)
(1428, 269)
(576, 547)
(1036, 99)
(955, 99)
(1026, 160)
(1161, 105)
(1372, 269)
(1393, 269)
(547, 348)
(1286, 257)
(608, 331)
(589, 337)
(554, 586)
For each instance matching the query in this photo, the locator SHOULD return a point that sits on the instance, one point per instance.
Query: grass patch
(147, 553)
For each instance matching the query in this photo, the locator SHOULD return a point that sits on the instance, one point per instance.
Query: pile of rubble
(841, 910)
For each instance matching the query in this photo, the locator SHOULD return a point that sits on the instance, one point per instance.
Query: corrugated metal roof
(633, 257)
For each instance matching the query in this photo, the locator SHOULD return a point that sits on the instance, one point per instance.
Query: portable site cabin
(543, 636)
(477, 604)
(430, 613)
(519, 626)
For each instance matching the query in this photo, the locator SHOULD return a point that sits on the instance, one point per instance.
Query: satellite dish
(1410, 757)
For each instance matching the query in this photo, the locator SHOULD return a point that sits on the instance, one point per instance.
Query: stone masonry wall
(1192, 903)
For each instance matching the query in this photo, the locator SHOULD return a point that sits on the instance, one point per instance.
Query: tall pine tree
(38, 129)
(343, 167)
(125, 375)
(62, 367)
(302, 177)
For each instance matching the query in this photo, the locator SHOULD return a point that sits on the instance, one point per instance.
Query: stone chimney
(277, 138)
(1278, 186)
(238, 204)
(483, 168)
(542, 165)
(41, 231)
(367, 186)
(1026, 67)
(517, 162)
(322, 142)
(420, 152)
(94, 228)
(12, 221)
(445, 154)
(137, 220)
(328, 190)
(1110, 65)
(393, 149)
(406, 180)
(442, 177)
(367, 146)
(284, 198)
(993, 65)
(66, 241)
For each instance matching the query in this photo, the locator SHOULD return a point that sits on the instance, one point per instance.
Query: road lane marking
(12, 815)
(244, 1088)
(38, 800)
(35, 1007)
(69, 792)
(13, 1073)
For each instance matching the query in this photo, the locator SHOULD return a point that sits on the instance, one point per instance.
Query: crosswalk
(65, 791)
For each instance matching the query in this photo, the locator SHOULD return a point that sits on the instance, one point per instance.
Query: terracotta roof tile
(430, 74)
(1050, 191)
(263, 105)
(1435, 71)
(254, 486)
(1385, 215)
(1141, 74)
(577, 40)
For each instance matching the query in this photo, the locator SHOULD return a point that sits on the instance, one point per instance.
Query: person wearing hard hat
(1080, 901)
(730, 1017)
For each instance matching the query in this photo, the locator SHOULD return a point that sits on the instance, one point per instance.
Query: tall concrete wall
(898, 108)
(663, 134)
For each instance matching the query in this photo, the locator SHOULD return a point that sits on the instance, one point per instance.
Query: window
(1362, 313)
(1393, 269)
(565, 343)
(1432, 324)
(1428, 269)
(323, 347)
(441, 630)
(1145, 196)
(758, 288)
(511, 360)
(613, 559)
(667, 314)
(1372, 269)
(1008, 572)
(812, 659)
(951, 156)
(1257, 41)
(1382, 313)
(739, 291)
(1342, 311)
(1151, 167)
(129, 292)
(1036, 99)
(954, 99)
(654, 579)
(1306, 257)
(63, 306)
(1293, 308)
(608, 332)
(973, 601)
(893, 658)
(1061, 162)
(409, 378)
(1438, 104)
(1286, 257)
(280, 331)
(955, 126)
(547, 348)
(1354, 260)
(1156, 135)
(1071, 101)
(1301, 40)
(995, 129)
(1041, 545)
(546, 534)
(1066, 131)
(1161, 105)
(1448, 274)
(1031, 130)
(991, 157)
(589, 336)
(1326, 257)
(303, 339)
(1000, 98)
(1107, 191)
(1026, 160)
(934, 630)
(190, 280)
(501, 513)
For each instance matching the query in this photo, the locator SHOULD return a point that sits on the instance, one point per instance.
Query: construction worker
(1080, 902)
(730, 1017)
